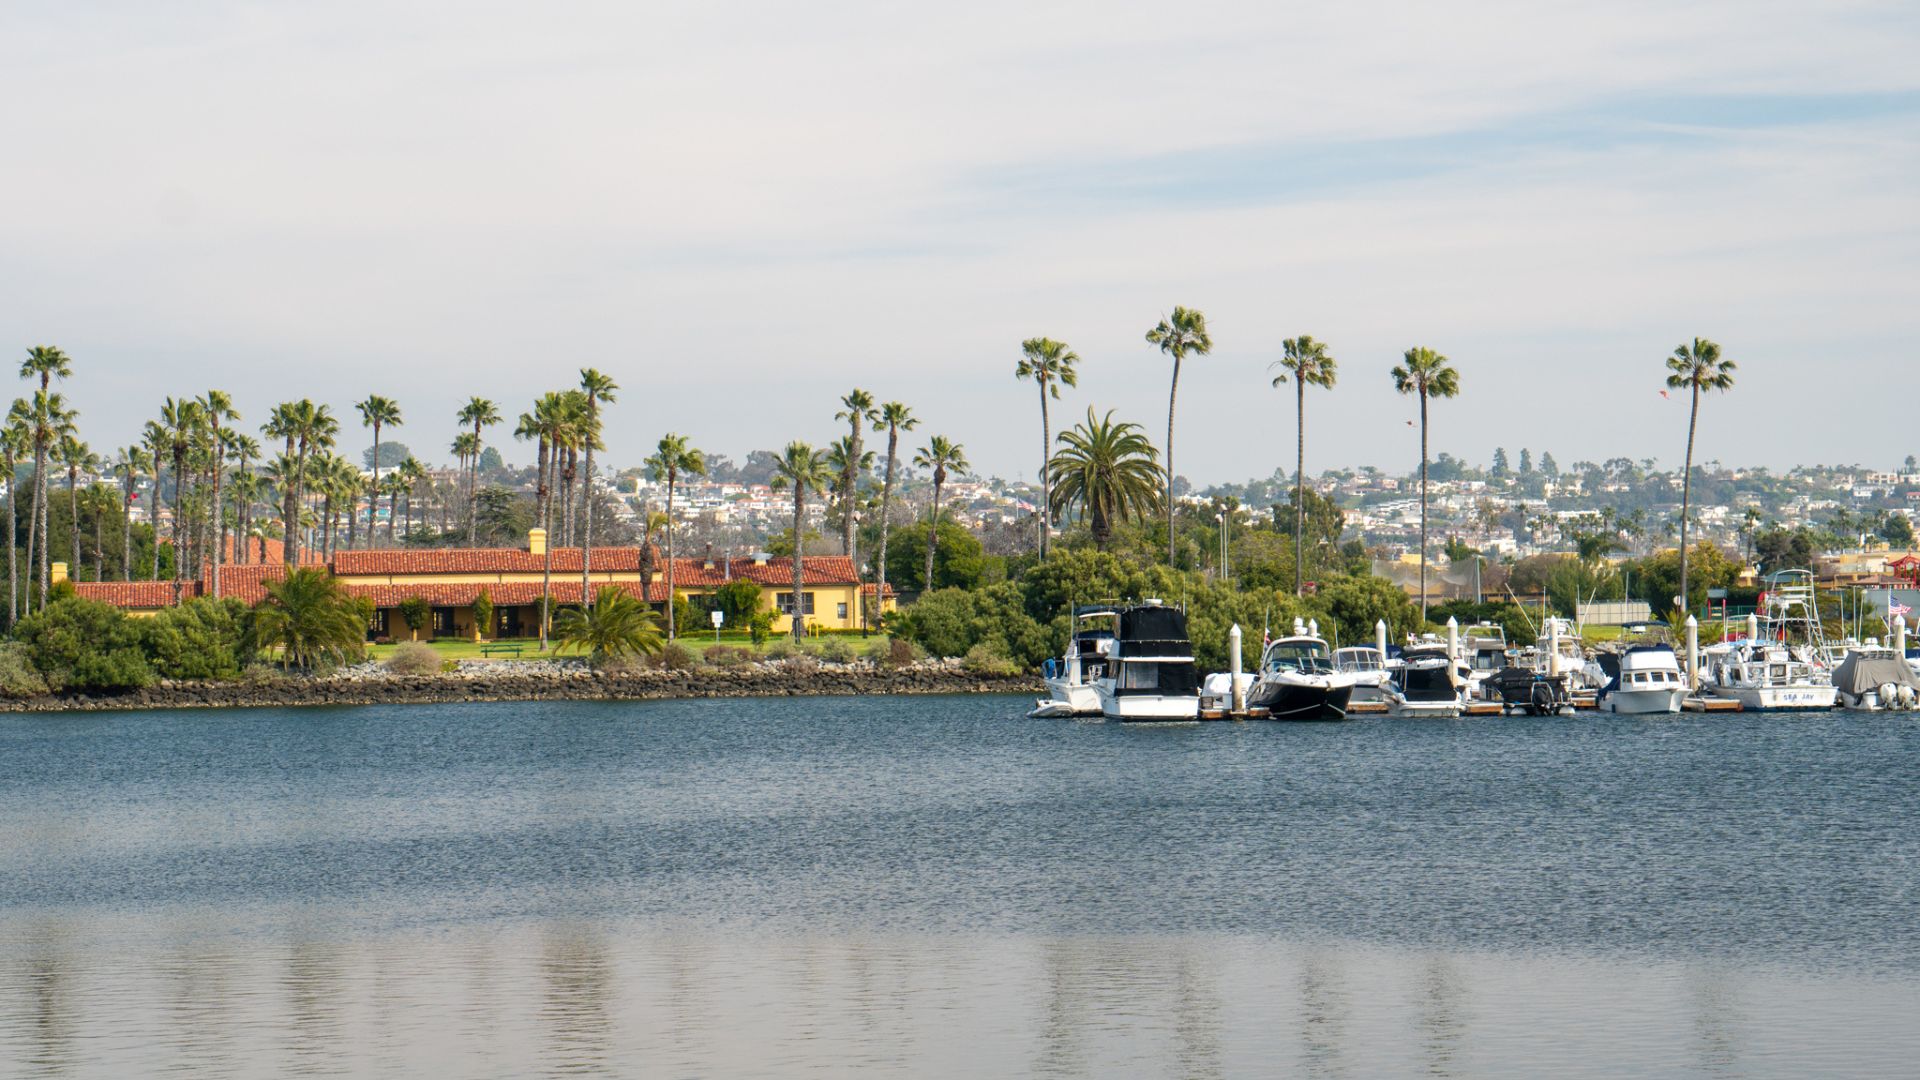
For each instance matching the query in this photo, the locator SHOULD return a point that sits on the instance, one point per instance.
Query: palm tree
(1109, 471)
(895, 418)
(480, 413)
(76, 455)
(803, 469)
(377, 412)
(672, 459)
(613, 627)
(46, 363)
(100, 500)
(942, 456)
(556, 422)
(310, 617)
(599, 388)
(845, 459)
(15, 440)
(394, 487)
(1429, 375)
(1048, 363)
(857, 413)
(183, 421)
(1183, 332)
(219, 406)
(129, 462)
(154, 439)
(49, 420)
(1700, 368)
(1309, 364)
(242, 449)
(466, 450)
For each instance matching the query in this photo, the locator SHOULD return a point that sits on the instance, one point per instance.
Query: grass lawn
(460, 649)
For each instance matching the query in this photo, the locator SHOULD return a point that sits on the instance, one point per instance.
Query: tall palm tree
(1048, 363)
(858, 413)
(100, 500)
(466, 450)
(894, 418)
(557, 422)
(1178, 335)
(671, 460)
(282, 474)
(312, 428)
(394, 487)
(942, 456)
(75, 455)
(15, 441)
(1308, 362)
(377, 412)
(154, 439)
(481, 413)
(805, 470)
(1429, 375)
(599, 388)
(49, 420)
(243, 449)
(45, 363)
(129, 463)
(1109, 471)
(1700, 368)
(845, 459)
(218, 405)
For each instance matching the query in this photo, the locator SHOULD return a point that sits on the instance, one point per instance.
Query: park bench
(502, 650)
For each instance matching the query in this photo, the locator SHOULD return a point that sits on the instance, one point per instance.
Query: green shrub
(18, 677)
(760, 625)
(483, 614)
(200, 639)
(836, 650)
(85, 645)
(414, 658)
(984, 659)
(673, 656)
(726, 656)
(739, 599)
(901, 652)
(416, 613)
(781, 650)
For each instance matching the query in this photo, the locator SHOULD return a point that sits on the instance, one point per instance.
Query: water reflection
(1441, 1020)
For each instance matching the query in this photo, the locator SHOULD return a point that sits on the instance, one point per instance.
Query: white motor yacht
(1368, 668)
(1428, 684)
(1297, 681)
(1779, 664)
(1070, 679)
(1150, 675)
(1648, 680)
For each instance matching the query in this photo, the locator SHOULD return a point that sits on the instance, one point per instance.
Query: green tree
(1106, 470)
(858, 411)
(1308, 362)
(416, 612)
(85, 645)
(1429, 375)
(1500, 469)
(483, 614)
(737, 601)
(960, 560)
(1897, 530)
(1355, 603)
(615, 627)
(1181, 334)
(378, 412)
(49, 417)
(895, 418)
(203, 638)
(804, 470)
(941, 455)
(310, 619)
(1698, 368)
(1048, 363)
(671, 460)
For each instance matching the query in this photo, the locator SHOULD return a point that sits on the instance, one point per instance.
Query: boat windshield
(1359, 660)
(1304, 656)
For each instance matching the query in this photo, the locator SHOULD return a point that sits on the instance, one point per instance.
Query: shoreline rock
(555, 680)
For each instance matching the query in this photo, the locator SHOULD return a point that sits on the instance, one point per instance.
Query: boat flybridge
(1646, 678)
(1780, 664)
(1297, 680)
(1428, 683)
(1070, 679)
(1150, 674)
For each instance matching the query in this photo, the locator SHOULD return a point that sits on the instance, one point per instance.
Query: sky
(741, 211)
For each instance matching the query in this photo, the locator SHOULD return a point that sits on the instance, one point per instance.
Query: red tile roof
(137, 594)
(478, 561)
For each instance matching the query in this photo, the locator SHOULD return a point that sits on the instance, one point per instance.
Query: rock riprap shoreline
(543, 680)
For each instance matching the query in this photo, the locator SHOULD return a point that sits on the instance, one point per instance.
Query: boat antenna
(1534, 630)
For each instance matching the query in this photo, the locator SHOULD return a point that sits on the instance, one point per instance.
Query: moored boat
(1427, 684)
(1644, 679)
(1297, 681)
(1070, 679)
(1150, 674)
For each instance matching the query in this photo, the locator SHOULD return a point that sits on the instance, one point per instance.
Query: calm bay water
(927, 886)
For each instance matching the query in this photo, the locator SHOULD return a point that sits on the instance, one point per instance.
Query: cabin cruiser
(1368, 666)
(1297, 681)
(1643, 679)
(1780, 663)
(1150, 673)
(1483, 649)
(1428, 684)
(1877, 679)
(1070, 679)
(1557, 655)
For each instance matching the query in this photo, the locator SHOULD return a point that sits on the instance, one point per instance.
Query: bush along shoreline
(539, 680)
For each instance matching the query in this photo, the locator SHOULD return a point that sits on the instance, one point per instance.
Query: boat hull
(1778, 698)
(1285, 701)
(1068, 699)
(1423, 710)
(1150, 708)
(1644, 702)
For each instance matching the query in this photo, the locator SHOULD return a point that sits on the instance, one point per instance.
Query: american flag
(1895, 607)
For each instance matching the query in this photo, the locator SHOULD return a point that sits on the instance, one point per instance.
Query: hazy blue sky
(743, 210)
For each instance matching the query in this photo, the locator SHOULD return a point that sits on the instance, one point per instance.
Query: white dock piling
(1453, 638)
(1233, 654)
(1753, 627)
(1380, 638)
(1693, 653)
(1900, 634)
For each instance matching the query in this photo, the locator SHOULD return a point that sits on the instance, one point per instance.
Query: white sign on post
(718, 618)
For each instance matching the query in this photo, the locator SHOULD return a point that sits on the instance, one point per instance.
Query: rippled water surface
(936, 886)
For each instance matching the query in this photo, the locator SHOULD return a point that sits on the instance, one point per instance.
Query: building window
(841, 608)
(442, 621)
(786, 603)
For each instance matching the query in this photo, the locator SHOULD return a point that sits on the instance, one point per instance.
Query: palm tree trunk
(36, 529)
(1423, 507)
(546, 569)
(473, 489)
(13, 546)
(798, 619)
(1046, 474)
(1299, 487)
(126, 522)
(73, 512)
(672, 629)
(219, 515)
(99, 544)
(886, 522)
(933, 536)
(373, 502)
(586, 531)
(1172, 394)
(153, 513)
(1686, 499)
